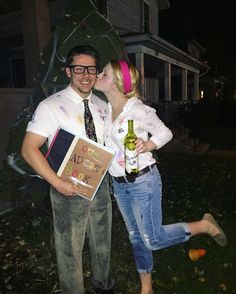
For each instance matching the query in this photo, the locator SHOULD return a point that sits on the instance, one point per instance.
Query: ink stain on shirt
(62, 108)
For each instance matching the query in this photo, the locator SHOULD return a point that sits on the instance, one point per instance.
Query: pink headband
(126, 75)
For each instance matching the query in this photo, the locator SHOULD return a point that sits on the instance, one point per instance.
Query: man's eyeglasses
(80, 69)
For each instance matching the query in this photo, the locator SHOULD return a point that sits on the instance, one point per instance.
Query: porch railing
(173, 114)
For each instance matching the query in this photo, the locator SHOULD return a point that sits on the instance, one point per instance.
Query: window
(146, 18)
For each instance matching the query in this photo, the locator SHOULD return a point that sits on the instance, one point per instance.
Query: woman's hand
(144, 146)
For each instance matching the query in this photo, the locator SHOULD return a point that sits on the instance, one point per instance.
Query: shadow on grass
(192, 185)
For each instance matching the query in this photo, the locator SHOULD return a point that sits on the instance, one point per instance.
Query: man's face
(83, 82)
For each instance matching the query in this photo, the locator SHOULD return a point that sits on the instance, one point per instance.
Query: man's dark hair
(87, 50)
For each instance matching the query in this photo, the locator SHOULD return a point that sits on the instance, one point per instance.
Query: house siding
(127, 16)
(154, 19)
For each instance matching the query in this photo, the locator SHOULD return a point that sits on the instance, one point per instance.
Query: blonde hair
(119, 78)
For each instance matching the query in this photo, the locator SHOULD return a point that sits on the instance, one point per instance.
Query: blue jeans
(140, 206)
(74, 217)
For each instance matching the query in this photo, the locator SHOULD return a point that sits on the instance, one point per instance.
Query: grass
(192, 185)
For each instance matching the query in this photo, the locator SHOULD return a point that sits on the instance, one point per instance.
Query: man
(74, 215)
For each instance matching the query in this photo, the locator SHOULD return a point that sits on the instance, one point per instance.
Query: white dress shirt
(145, 122)
(65, 110)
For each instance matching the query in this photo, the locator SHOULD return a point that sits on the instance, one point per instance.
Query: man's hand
(69, 188)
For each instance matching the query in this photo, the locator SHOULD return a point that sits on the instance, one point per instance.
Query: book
(80, 160)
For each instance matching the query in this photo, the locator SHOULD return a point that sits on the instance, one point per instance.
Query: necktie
(88, 120)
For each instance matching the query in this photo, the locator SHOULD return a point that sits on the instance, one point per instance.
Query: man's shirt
(65, 110)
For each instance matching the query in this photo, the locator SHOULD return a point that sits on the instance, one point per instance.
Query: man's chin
(85, 90)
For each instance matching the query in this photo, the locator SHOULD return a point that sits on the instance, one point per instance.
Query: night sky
(211, 23)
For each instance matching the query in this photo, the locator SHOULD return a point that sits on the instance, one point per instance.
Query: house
(170, 75)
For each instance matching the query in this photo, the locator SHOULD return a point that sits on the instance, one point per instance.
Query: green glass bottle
(131, 155)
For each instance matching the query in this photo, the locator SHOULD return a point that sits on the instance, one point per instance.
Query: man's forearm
(38, 162)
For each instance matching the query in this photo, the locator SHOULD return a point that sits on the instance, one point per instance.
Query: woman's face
(105, 80)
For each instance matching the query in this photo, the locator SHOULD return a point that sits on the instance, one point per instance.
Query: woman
(140, 200)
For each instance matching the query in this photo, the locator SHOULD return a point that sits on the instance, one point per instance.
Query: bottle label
(131, 160)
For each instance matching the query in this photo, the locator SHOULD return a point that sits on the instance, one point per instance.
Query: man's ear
(68, 72)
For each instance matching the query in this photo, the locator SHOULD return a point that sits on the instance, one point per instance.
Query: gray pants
(73, 217)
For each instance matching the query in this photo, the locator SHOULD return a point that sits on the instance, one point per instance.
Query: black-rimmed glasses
(80, 69)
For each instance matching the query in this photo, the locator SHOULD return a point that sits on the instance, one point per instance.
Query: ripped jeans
(140, 205)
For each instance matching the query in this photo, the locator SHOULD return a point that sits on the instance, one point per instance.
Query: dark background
(212, 24)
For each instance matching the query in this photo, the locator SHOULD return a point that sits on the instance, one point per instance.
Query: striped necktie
(88, 121)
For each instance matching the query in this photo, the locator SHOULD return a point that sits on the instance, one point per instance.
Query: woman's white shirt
(146, 122)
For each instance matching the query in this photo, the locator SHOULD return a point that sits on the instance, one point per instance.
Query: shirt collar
(75, 96)
(130, 103)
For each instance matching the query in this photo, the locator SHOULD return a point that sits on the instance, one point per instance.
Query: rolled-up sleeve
(160, 133)
(43, 123)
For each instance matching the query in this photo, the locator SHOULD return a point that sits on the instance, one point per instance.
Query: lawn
(192, 185)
